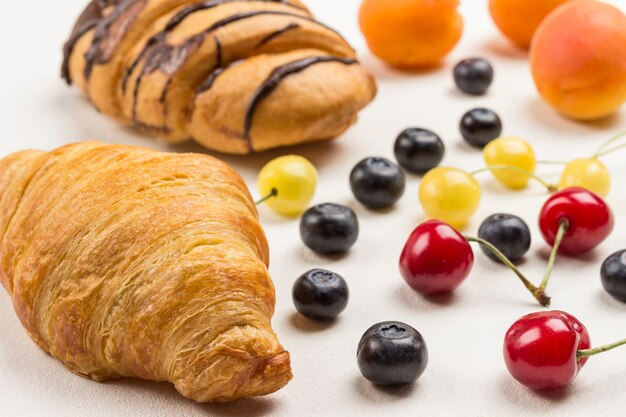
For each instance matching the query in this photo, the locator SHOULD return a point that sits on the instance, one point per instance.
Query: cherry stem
(608, 151)
(272, 194)
(551, 163)
(538, 293)
(563, 226)
(601, 150)
(586, 353)
(551, 188)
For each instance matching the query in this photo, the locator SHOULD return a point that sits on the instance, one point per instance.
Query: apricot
(519, 19)
(411, 33)
(578, 59)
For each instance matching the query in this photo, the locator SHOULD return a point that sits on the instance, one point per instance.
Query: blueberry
(320, 294)
(613, 275)
(506, 232)
(392, 353)
(329, 229)
(480, 126)
(473, 76)
(419, 150)
(377, 183)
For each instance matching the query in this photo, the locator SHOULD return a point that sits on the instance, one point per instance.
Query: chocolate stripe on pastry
(166, 89)
(93, 16)
(276, 34)
(274, 80)
(121, 19)
(183, 14)
(88, 20)
(218, 47)
(169, 58)
(208, 83)
(177, 19)
(162, 57)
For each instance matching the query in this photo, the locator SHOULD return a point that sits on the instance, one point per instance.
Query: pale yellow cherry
(449, 195)
(287, 184)
(514, 152)
(588, 173)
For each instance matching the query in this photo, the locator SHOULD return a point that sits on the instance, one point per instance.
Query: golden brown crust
(146, 62)
(121, 261)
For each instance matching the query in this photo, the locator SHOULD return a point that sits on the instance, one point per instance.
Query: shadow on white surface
(363, 212)
(609, 303)
(505, 49)
(461, 145)
(415, 301)
(320, 154)
(526, 399)
(310, 257)
(573, 129)
(457, 94)
(592, 257)
(250, 407)
(306, 325)
(380, 395)
(384, 72)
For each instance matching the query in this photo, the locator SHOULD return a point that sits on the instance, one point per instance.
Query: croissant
(125, 262)
(238, 76)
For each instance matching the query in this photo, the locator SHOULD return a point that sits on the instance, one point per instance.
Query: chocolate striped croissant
(238, 76)
(125, 262)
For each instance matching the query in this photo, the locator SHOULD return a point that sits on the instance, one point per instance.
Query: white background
(466, 375)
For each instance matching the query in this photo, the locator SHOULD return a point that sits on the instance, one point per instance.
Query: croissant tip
(272, 374)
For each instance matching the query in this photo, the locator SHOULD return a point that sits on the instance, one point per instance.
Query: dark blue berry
(419, 150)
(508, 233)
(473, 76)
(392, 353)
(613, 275)
(329, 229)
(480, 126)
(320, 294)
(377, 183)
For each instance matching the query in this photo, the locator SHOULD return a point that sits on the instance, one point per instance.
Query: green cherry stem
(608, 151)
(538, 293)
(563, 227)
(601, 150)
(543, 162)
(272, 194)
(551, 188)
(586, 353)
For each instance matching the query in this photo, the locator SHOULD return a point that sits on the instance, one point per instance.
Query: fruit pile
(541, 350)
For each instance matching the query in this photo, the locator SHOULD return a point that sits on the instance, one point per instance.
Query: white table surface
(466, 374)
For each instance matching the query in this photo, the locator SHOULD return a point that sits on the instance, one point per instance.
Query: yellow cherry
(287, 184)
(450, 195)
(514, 152)
(588, 173)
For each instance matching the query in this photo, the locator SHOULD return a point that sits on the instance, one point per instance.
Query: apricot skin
(519, 19)
(411, 33)
(578, 59)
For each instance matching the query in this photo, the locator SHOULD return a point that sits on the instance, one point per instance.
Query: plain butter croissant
(236, 75)
(125, 262)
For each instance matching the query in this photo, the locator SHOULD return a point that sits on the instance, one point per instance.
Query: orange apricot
(578, 59)
(519, 19)
(411, 33)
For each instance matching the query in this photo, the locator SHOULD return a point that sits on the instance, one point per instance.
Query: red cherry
(541, 349)
(436, 258)
(587, 218)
